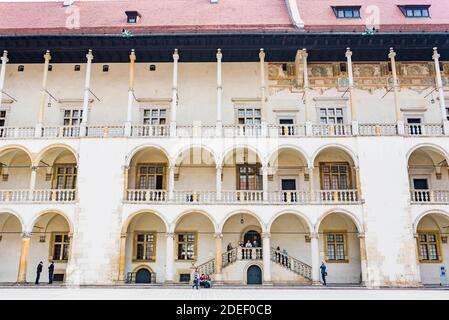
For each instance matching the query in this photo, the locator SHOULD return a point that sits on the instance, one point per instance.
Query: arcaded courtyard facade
(133, 151)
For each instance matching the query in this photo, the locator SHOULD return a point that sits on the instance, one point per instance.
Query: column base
(127, 130)
(309, 128)
(400, 127)
(355, 128)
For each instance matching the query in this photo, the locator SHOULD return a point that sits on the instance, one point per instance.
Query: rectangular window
(60, 247)
(2, 118)
(150, 177)
(73, 117)
(416, 11)
(347, 12)
(331, 116)
(65, 176)
(336, 250)
(429, 247)
(249, 177)
(249, 116)
(187, 246)
(145, 246)
(335, 176)
(155, 116)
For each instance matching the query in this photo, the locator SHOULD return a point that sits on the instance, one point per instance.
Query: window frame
(245, 117)
(345, 9)
(258, 176)
(335, 117)
(71, 118)
(438, 244)
(158, 117)
(345, 245)
(135, 242)
(405, 9)
(195, 246)
(63, 244)
(56, 174)
(164, 175)
(348, 175)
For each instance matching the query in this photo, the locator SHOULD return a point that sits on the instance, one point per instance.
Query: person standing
(229, 250)
(196, 279)
(323, 272)
(38, 271)
(51, 269)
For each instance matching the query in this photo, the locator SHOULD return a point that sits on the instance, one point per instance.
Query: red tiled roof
(186, 16)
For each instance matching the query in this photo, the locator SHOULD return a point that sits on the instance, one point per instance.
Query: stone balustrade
(429, 196)
(36, 196)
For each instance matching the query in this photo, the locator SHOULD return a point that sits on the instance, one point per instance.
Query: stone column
(23, 262)
(33, 178)
(129, 114)
(265, 183)
(439, 85)
(125, 182)
(314, 246)
(219, 171)
(399, 120)
(174, 101)
(307, 106)
(84, 121)
(264, 129)
(219, 125)
(354, 123)
(363, 259)
(218, 257)
(311, 184)
(122, 257)
(266, 251)
(358, 185)
(40, 116)
(171, 182)
(169, 257)
(4, 59)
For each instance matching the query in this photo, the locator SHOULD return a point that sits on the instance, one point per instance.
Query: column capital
(47, 56)
(219, 55)
(266, 235)
(33, 168)
(170, 234)
(262, 55)
(436, 55)
(123, 235)
(392, 54)
(219, 167)
(126, 167)
(361, 235)
(4, 57)
(132, 56)
(218, 235)
(416, 235)
(176, 55)
(348, 53)
(314, 235)
(311, 167)
(89, 56)
(26, 235)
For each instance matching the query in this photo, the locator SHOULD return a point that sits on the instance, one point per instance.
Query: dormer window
(347, 12)
(132, 16)
(415, 11)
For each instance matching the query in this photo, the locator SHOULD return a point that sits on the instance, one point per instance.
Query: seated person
(202, 280)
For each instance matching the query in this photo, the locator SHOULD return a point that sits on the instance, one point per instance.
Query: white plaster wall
(10, 247)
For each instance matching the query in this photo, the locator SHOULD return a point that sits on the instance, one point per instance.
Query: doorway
(254, 275)
(143, 276)
(252, 236)
(288, 187)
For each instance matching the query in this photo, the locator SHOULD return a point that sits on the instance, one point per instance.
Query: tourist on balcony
(248, 244)
(285, 257)
(51, 269)
(323, 272)
(255, 244)
(229, 249)
(196, 279)
(38, 271)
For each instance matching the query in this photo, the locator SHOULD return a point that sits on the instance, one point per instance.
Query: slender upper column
(40, 117)
(169, 257)
(363, 259)
(171, 182)
(266, 252)
(439, 82)
(315, 251)
(33, 177)
(218, 256)
(392, 56)
(4, 59)
(311, 182)
(265, 182)
(219, 170)
(84, 121)
(122, 257)
(306, 84)
(129, 114)
(23, 262)
(219, 91)
(351, 84)
(174, 101)
(262, 91)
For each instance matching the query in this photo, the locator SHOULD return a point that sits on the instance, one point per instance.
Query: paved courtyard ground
(161, 293)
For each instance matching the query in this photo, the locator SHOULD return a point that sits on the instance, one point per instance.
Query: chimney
(68, 3)
(214, 1)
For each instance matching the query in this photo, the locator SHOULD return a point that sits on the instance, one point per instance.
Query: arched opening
(143, 275)
(195, 176)
(291, 249)
(254, 275)
(56, 170)
(340, 248)
(194, 244)
(50, 242)
(147, 175)
(334, 175)
(10, 246)
(428, 176)
(289, 176)
(242, 176)
(15, 170)
(145, 247)
(432, 233)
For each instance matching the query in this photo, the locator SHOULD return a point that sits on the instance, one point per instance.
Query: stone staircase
(292, 264)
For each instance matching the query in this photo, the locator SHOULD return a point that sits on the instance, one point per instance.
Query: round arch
(19, 147)
(202, 147)
(427, 213)
(143, 266)
(16, 215)
(281, 148)
(185, 213)
(131, 217)
(338, 146)
(433, 146)
(296, 213)
(36, 217)
(137, 149)
(42, 153)
(231, 149)
(346, 213)
(235, 212)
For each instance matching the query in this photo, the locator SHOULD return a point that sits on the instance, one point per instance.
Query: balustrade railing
(430, 196)
(419, 129)
(230, 131)
(150, 131)
(105, 131)
(142, 195)
(287, 130)
(249, 253)
(194, 196)
(377, 129)
(289, 197)
(61, 132)
(344, 196)
(291, 263)
(332, 130)
(229, 257)
(206, 268)
(245, 196)
(17, 132)
(49, 195)
(196, 131)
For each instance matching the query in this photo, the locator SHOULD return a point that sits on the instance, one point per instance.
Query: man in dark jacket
(323, 270)
(51, 269)
(39, 270)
